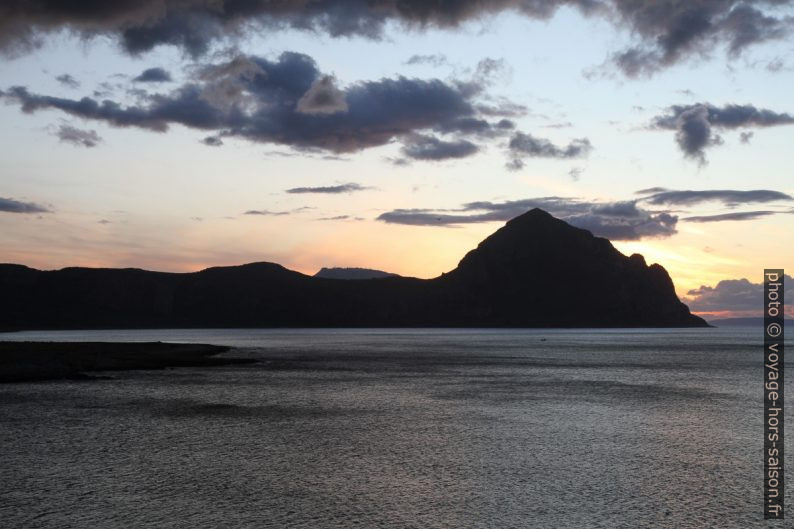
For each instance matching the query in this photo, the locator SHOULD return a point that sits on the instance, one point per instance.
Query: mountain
(352, 273)
(536, 271)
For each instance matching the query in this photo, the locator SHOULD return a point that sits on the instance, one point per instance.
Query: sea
(399, 428)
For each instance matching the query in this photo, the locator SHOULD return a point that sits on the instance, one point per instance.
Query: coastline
(44, 361)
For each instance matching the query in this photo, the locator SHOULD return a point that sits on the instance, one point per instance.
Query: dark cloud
(670, 31)
(467, 125)
(153, 75)
(323, 97)
(194, 25)
(635, 62)
(79, 137)
(729, 197)
(423, 147)
(615, 220)
(523, 145)
(745, 137)
(259, 99)
(743, 215)
(68, 80)
(87, 108)
(476, 126)
(341, 188)
(695, 125)
(666, 31)
(9, 205)
(737, 297)
(647, 225)
(626, 208)
(212, 141)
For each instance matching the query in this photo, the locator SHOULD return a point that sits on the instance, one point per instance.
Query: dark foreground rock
(536, 271)
(36, 361)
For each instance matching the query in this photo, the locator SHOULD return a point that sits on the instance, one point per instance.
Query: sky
(179, 135)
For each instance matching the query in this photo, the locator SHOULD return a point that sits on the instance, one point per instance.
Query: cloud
(616, 220)
(9, 205)
(695, 125)
(743, 215)
(734, 298)
(745, 137)
(488, 68)
(435, 59)
(323, 97)
(153, 75)
(476, 126)
(79, 137)
(225, 85)
(502, 108)
(340, 217)
(673, 31)
(422, 147)
(647, 225)
(650, 190)
(728, 197)
(341, 188)
(559, 125)
(68, 81)
(523, 145)
(257, 99)
(613, 220)
(665, 32)
(194, 25)
(266, 212)
(271, 213)
(212, 141)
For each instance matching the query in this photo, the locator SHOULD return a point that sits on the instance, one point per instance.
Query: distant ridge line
(535, 271)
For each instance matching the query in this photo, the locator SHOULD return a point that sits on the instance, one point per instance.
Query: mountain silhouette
(352, 273)
(536, 271)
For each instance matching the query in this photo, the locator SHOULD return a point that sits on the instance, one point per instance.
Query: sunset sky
(392, 135)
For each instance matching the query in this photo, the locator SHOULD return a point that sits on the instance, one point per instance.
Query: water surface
(397, 429)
